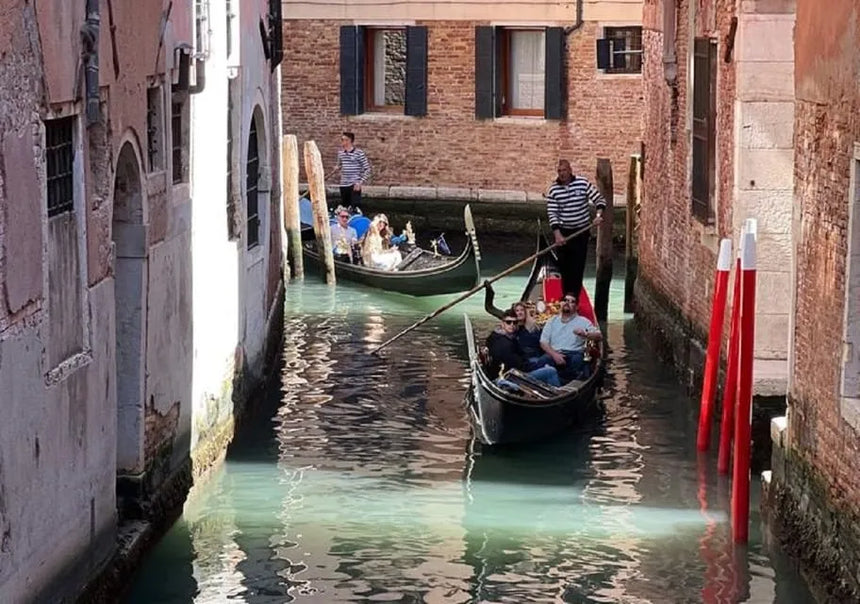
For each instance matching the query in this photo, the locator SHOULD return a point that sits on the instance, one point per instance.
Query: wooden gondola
(421, 273)
(537, 411)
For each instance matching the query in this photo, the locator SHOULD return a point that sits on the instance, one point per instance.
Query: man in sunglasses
(505, 350)
(343, 236)
(564, 338)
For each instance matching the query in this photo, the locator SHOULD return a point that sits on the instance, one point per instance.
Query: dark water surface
(360, 482)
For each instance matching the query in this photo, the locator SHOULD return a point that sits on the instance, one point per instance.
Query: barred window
(60, 156)
(620, 50)
(176, 128)
(253, 177)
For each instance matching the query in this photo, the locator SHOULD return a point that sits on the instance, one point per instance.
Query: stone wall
(449, 147)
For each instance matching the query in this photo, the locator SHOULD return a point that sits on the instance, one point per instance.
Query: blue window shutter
(603, 54)
(416, 71)
(485, 86)
(554, 78)
(351, 70)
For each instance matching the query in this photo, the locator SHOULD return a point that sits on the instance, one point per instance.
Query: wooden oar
(478, 288)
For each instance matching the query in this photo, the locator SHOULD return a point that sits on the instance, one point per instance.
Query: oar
(478, 288)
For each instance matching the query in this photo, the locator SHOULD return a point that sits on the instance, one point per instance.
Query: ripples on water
(360, 482)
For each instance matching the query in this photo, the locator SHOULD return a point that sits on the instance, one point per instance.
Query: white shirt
(559, 334)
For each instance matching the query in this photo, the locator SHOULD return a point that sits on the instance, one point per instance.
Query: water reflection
(361, 482)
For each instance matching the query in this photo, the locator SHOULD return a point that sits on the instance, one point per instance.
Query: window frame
(504, 36)
(64, 174)
(703, 203)
(608, 31)
(252, 189)
(370, 33)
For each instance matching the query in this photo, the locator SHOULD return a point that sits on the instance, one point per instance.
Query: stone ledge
(411, 193)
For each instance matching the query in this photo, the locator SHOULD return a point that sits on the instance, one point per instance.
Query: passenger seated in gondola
(343, 237)
(528, 336)
(505, 351)
(564, 339)
(376, 249)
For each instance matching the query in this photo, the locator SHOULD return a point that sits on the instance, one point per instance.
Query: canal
(359, 480)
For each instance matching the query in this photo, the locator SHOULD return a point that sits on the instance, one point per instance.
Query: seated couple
(376, 249)
(562, 342)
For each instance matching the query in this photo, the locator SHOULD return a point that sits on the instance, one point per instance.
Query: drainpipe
(670, 61)
(572, 28)
(90, 43)
(200, 76)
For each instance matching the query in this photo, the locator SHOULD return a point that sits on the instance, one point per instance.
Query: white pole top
(751, 226)
(748, 255)
(724, 260)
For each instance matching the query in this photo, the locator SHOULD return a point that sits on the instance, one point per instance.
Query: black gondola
(422, 272)
(500, 416)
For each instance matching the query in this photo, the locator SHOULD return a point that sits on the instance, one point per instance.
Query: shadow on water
(361, 481)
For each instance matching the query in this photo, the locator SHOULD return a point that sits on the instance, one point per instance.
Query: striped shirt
(354, 166)
(567, 206)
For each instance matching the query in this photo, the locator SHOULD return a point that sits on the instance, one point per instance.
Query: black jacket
(504, 350)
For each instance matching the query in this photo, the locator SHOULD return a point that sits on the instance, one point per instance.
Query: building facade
(136, 293)
(814, 499)
(717, 151)
(467, 95)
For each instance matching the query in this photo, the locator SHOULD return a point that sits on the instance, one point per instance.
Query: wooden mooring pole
(292, 222)
(631, 256)
(604, 241)
(316, 185)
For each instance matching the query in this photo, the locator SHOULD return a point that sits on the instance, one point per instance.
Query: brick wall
(677, 254)
(449, 147)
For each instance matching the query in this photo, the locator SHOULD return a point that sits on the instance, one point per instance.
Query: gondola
(537, 411)
(421, 273)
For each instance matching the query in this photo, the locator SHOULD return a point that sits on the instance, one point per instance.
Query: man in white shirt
(343, 237)
(564, 338)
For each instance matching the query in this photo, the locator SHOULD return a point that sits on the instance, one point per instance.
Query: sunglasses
(511, 321)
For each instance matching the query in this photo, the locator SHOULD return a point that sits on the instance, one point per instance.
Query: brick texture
(677, 254)
(449, 147)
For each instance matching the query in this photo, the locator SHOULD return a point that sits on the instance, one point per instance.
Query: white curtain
(527, 68)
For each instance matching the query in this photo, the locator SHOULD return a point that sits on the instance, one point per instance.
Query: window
(154, 129)
(276, 33)
(519, 72)
(233, 218)
(252, 169)
(704, 129)
(60, 157)
(383, 70)
(620, 50)
(179, 138)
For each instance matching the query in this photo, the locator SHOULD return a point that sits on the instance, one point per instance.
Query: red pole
(715, 337)
(743, 419)
(730, 390)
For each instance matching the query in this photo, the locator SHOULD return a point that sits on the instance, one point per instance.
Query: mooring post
(631, 257)
(292, 223)
(316, 186)
(604, 241)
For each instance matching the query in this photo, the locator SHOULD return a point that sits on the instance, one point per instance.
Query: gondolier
(354, 168)
(568, 207)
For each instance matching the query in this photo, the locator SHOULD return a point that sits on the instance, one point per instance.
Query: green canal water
(359, 481)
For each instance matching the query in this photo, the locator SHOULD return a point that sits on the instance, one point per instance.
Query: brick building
(815, 499)
(718, 150)
(481, 95)
(135, 292)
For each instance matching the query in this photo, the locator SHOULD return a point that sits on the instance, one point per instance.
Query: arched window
(252, 169)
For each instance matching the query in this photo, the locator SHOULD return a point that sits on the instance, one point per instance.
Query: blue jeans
(575, 367)
(538, 362)
(547, 374)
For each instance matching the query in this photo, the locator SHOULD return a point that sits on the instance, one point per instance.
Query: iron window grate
(60, 156)
(253, 177)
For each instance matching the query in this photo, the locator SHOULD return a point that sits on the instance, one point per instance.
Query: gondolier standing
(568, 201)
(354, 168)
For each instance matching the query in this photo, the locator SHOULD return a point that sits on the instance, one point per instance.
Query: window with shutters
(383, 70)
(704, 129)
(519, 71)
(620, 50)
(522, 56)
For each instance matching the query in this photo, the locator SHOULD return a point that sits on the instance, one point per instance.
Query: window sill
(602, 75)
(531, 120)
(383, 116)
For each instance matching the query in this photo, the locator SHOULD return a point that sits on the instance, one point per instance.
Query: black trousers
(571, 257)
(349, 196)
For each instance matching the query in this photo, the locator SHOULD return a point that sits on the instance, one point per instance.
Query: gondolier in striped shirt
(354, 168)
(568, 207)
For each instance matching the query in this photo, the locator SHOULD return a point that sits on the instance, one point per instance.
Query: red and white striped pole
(743, 418)
(730, 389)
(715, 337)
